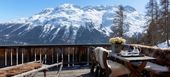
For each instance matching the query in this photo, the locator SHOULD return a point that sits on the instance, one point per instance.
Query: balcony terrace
(76, 58)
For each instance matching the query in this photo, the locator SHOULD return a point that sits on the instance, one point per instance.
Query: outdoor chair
(95, 67)
(93, 60)
(109, 68)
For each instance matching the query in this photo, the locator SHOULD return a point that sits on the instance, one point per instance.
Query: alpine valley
(71, 24)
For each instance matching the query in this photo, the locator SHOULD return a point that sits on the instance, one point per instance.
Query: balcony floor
(85, 72)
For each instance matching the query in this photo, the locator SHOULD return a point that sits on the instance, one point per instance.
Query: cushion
(156, 68)
(99, 55)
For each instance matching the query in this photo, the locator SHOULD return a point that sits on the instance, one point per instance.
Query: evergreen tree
(165, 16)
(119, 20)
(153, 23)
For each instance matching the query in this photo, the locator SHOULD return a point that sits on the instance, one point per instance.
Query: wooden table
(135, 72)
(22, 70)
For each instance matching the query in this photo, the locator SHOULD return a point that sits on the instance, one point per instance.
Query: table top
(133, 59)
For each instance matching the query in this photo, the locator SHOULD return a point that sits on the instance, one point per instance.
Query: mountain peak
(129, 8)
(69, 23)
(68, 6)
(47, 10)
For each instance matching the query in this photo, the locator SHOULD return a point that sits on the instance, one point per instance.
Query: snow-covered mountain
(69, 23)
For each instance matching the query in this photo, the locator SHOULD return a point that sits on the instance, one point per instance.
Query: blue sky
(13, 9)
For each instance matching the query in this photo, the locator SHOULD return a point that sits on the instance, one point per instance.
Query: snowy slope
(65, 22)
(163, 45)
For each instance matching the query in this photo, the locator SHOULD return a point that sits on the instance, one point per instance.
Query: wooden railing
(48, 54)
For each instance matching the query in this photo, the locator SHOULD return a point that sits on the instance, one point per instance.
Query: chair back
(101, 57)
(96, 51)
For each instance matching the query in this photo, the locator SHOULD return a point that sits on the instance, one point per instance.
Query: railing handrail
(71, 54)
(54, 45)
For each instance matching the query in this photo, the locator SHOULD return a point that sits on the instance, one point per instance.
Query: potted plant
(116, 43)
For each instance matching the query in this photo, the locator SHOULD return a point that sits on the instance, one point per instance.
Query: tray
(140, 55)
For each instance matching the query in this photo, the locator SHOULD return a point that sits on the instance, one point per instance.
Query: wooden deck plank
(68, 73)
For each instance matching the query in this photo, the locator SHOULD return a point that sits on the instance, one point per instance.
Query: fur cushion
(99, 55)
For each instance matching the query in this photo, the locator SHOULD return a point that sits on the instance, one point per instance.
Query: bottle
(136, 51)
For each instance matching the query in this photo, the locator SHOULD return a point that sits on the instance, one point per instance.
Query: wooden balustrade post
(56, 50)
(52, 55)
(45, 58)
(73, 58)
(57, 57)
(62, 56)
(11, 57)
(16, 56)
(22, 53)
(6, 58)
(68, 59)
(40, 56)
(88, 56)
(35, 55)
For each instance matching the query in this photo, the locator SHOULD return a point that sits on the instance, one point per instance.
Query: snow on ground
(163, 45)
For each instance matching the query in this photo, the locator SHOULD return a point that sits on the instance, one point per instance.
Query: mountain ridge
(70, 24)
